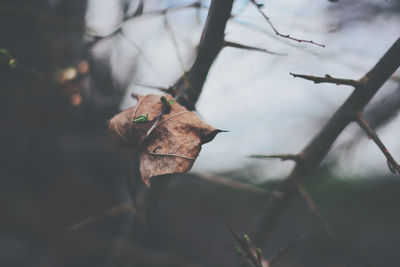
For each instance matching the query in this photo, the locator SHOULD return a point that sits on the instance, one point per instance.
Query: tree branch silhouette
(319, 146)
(187, 89)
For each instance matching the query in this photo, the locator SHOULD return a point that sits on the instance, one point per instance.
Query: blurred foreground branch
(255, 255)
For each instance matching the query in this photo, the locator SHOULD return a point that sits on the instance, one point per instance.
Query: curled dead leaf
(168, 138)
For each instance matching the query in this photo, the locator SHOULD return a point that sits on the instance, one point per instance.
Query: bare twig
(224, 181)
(139, 12)
(391, 162)
(328, 79)
(251, 48)
(313, 208)
(141, 52)
(283, 157)
(163, 89)
(319, 146)
(174, 42)
(128, 206)
(287, 36)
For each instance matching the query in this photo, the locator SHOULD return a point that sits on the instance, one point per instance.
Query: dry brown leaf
(167, 143)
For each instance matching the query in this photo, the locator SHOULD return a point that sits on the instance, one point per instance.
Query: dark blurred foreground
(59, 166)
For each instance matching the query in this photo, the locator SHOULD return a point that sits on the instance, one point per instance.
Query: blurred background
(67, 66)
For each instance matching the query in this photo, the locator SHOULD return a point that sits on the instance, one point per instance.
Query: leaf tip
(146, 181)
(209, 137)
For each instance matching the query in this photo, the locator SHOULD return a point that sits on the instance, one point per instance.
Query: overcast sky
(251, 94)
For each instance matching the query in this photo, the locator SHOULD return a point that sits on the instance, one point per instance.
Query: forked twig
(287, 36)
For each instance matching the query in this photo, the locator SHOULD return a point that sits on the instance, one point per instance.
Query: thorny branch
(328, 79)
(391, 162)
(319, 146)
(302, 192)
(287, 36)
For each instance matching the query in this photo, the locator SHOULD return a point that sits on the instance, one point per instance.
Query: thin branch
(141, 52)
(224, 181)
(283, 157)
(98, 38)
(313, 208)
(285, 249)
(245, 245)
(174, 42)
(163, 89)
(178, 7)
(328, 79)
(391, 162)
(255, 27)
(128, 206)
(319, 146)
(287, 36)
(251, 48)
